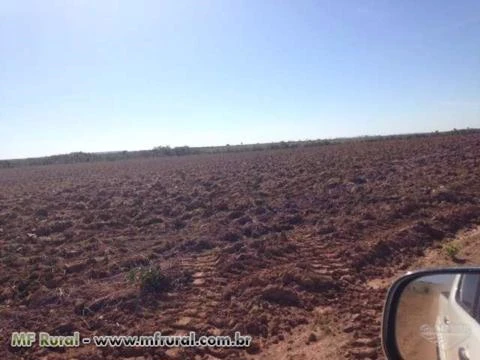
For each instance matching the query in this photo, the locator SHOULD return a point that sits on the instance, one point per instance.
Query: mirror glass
(438, 317)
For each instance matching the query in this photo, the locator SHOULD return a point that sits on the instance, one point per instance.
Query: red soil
(253, 242)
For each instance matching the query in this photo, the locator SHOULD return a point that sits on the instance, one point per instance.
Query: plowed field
(257, 242)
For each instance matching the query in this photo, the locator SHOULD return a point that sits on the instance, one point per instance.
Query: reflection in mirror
(438, 317)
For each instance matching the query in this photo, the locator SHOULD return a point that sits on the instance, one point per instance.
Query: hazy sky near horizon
(91, 75)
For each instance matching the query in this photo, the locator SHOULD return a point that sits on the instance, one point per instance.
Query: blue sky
(115, 75)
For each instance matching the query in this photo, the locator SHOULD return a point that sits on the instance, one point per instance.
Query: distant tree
(181, 150)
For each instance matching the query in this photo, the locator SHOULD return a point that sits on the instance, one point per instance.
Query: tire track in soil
(200, 303)
(325, 258)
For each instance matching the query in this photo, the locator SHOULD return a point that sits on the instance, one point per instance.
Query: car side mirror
(433, 314)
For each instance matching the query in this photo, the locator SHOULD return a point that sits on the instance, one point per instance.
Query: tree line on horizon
(164, 151)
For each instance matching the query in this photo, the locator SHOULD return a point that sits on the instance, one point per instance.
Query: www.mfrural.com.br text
(44, 339)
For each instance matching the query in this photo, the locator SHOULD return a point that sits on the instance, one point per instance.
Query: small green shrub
(451, 250)
(149, 279)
